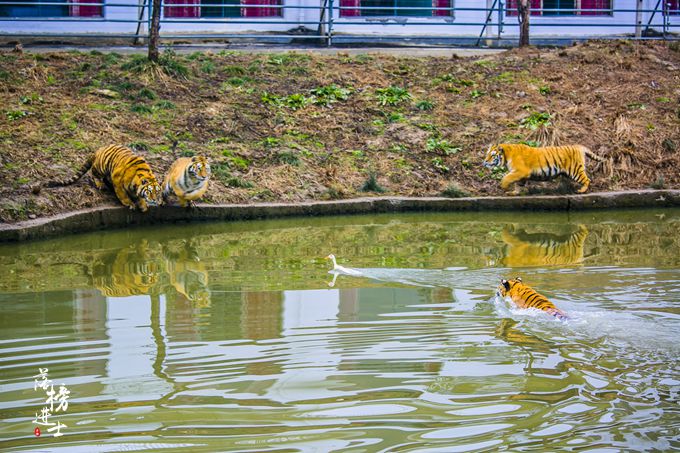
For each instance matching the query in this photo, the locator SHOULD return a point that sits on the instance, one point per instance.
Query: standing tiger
(187, 178)
(525, 162)
(126, 173)
(524, 296)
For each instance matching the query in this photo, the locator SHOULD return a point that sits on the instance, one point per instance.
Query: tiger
(134, 270)
(188, 274)
(126, 173)
(524, 296)
(543, 249)
(187, 178)
(543, 163)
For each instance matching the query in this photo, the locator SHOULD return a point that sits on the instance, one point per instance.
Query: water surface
(234, 336)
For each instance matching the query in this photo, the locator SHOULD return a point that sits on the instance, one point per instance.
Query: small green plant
(497, 173)
(140, 109)
(271, 99)
(165, 105)
(636, 106)
(395, 117)
(234, 70)
(371, 184)
(31, 99)
(505, 77)
(296, 101)
(237, 81)
(536, 120)
(438, 163)
(208, 67)
(271, 142)
(424, 105)
(474, 94)
(486, 64)
(669, 145)
(532, 143)
(663, 100)
(221, 171)
(14, 115)
(544, 90)
(453, 190)
(171, 65)
(139, 146)
(438, 145)
(329, 94)
(146, 93)
(659, 184)
(288, 157)
(240, 183)
(392, 95)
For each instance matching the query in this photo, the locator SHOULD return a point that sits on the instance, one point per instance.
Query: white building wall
(122, 20)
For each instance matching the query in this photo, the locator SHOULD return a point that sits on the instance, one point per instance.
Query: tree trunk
(154, 30)
(524, 11)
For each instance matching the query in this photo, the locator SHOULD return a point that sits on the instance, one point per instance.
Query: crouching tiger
(525, 162)
(187, 178)
(524, 296)
(126, 173)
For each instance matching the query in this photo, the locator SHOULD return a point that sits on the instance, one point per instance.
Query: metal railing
(332, 21)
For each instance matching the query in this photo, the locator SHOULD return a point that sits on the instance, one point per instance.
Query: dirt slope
(301, 126)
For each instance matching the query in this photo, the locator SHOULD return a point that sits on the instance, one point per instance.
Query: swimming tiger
(187, 178)
(525, 162)
(524, 296)
(126, 173)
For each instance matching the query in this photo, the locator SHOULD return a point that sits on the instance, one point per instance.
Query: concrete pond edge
(109, 217)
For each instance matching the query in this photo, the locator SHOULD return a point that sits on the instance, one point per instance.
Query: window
(672, 7)
(36, 8)
(390, 8)
(569, 7)
(222, 8)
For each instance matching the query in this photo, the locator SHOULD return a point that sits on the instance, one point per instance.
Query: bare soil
(274, 131)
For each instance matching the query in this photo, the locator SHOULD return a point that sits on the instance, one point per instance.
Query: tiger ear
(519, 279)
(505, 283)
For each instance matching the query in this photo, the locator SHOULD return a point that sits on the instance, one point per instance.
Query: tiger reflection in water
(543, 249)
(188, 274)
(138, 269)
(152, 269)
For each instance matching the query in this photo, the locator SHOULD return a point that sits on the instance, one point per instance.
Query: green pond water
(235, 336)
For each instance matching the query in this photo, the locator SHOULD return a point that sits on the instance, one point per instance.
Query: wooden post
(523, 13)
(154, 30)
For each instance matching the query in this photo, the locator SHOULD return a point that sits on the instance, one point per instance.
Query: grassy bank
(293, 127)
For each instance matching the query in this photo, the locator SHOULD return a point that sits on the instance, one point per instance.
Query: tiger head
(150, 191)
(199, 168)
(507, 285)
(495, 156)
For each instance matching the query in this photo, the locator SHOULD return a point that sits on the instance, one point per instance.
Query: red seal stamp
(36, 431)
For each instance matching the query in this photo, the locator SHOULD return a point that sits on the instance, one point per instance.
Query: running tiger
(187, 178)
(524, 296)
(524, 162)
(126, 173)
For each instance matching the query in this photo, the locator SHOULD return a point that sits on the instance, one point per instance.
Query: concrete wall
(121, 20)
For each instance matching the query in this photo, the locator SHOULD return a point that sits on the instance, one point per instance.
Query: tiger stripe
(524, 296)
